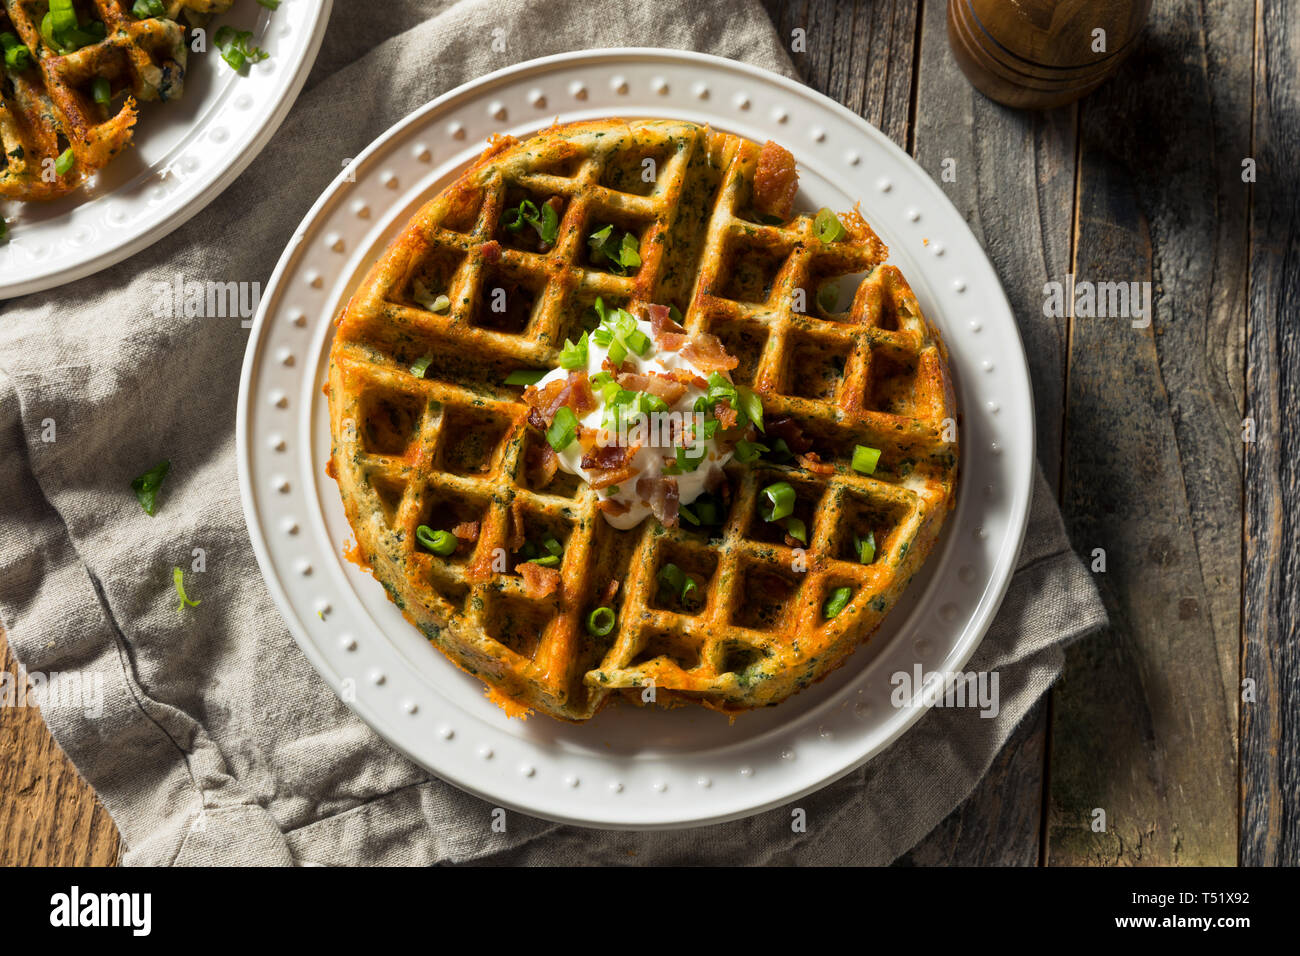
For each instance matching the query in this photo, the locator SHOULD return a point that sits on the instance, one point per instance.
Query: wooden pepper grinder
(1038, 54)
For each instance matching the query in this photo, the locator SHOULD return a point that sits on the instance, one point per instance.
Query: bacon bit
(539, 582)
(606, 478)
(466, 531)
(614, 507)
(666, 387)
(775, 181)
(687, 378)
(668, 335)
(580, 398)
(662, 495)
(516, 538)
(491, 252)
(705, 350)
(540, 464)
(725, 414)
(611, 589)
(626, 368)
(815, 464)
(603, 458)
(788, 430)
(633, 381)
(542, 403)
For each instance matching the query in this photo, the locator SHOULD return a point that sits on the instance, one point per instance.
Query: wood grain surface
(1139, 431)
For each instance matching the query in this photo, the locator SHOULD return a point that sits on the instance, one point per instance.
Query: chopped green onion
(553, 546)
(617, 352)
(630, 252)
(601, 621)
(235, 48)
(17, 56)
(144, 9)
(780, 451)
(828, 297)
(525, 376)
(707, 510)
(421, 366)
(4, 230)
(866, 547)
(147, 485)
(574, 354)
(621, 254)
(441, 543)
(549, 227)
(440, 304)
(564, 428)
(780, 497)
(515, 218)
(797, 529)
(101, 91)
(673, 578)
(178, 579)
(865, 459)
(828, 226)
(675, 314)
(63, 16)
(684, 463)
(612, 490)
(837, 602)
(637, 341)
(747, 451)
(689, 515)
(751, 405)
(270, 4)
(687, 590)
(547, 561)
(63, 165)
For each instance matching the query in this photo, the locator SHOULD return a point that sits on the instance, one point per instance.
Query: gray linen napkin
(216, 741)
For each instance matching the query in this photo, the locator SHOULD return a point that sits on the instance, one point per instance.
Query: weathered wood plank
(1011, 174)
(48, 815)
(1145, 721)
(1270, 726)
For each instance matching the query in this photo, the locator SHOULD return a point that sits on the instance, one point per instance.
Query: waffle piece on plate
(484, 386)
(72, 75)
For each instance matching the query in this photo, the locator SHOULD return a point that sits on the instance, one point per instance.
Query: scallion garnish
(601, 621)
(574, 354)
(780, 501)
(421, 366)
(63, 165)
(751, 405)
(441, 543)
(564, 428)
(270, 4)
(144, 9)
(147, 485)
(178, 580)
(828, 296)
(828, 226)
(620, 254)
(236, 49)
(672, 577)
(689, 515)
(525, 376)
(865, 459)
(17, 56)
(747, 451)
(101, 91)
(837, 602)
(796, 529)
(866, 547)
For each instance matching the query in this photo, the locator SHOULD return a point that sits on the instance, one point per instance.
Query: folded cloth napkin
(216, 741)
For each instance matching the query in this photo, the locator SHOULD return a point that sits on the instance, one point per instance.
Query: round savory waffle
(48, 110)
(427, 434)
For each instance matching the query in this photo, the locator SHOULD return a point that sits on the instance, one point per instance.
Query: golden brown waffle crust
(406, 449)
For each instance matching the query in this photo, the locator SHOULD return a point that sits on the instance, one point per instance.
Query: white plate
(185, 153)
(628, 767)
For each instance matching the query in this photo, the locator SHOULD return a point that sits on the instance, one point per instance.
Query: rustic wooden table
(1140, 432)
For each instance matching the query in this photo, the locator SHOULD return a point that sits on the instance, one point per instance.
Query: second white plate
(628, 767)
(183, 155)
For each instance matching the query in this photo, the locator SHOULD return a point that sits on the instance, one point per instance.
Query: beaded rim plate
(184, 155)
(628, 767)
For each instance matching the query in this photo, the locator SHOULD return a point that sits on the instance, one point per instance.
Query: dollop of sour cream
(650, 458)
